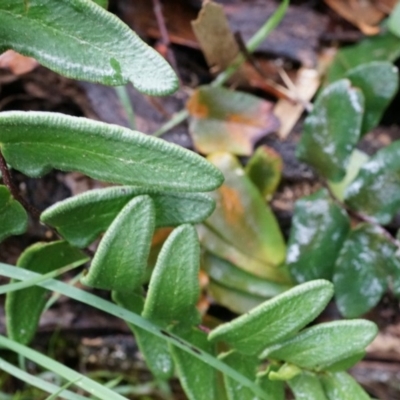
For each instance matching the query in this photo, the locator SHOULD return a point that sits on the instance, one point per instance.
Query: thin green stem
(123, 96)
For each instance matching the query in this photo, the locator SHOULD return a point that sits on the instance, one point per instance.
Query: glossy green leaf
(394, 21)
(226, 120)
(80, 219)
(13, 217)
(332, 130)
(393, 268)
(307, 386)
(35, 142)
(379, 82)
(243, 229)
(265, 169)
(275, 319)
(341, 386)
(325, 344)
(197, 378)
(154, 349)
(360, 276)
(86, 43)
(225, 273)
(357, 160)
(102, 3)
(245, 365)
(24, 307)
(234, 300)
(121, 258)
(319, 228)
(382, 47)
(376, 190)
(174, 287)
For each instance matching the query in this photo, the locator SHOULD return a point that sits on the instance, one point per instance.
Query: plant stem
(253, 43)
(7, 180)
(127, 105)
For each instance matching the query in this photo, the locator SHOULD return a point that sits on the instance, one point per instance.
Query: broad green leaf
(234, 300)
(24, 307)
(394, 21)
(325, 344)
(341, 386)
(174, 286)
(275, 319)
(226, 274)
(13, 217)
(357, 160)
(245, 226)
(86, 43)
(121, 258)
(245, 365)
(332, 130)
(346, 363)
(379, 82)
(382, 47)
(275, 389)
(360, 276)
(198, 379)
(35, 142)
(319, 228)
(307, 386)
(102, 3)
(154, 349)
(80, 219)
(376, 190)
(226, 120)
(265, 169)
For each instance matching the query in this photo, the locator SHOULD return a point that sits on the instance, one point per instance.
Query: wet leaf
(154, 349)
(174, 288)
(379, 82)
(360, 276)
(234, 300)
(35, 142)
(198, 379)
(307, 386)
(319, 228)
(382, 47)
(226, 274)
(394, 21)
(341, 386)
(24, 307)
(243, 229)
(376, 190)
(13, 217)
(226, 120)
(275, 319)
(121, 258)
(325, 344)
(332, 130)
(87, 43)
(74, 217)
(246, 366)
(265, 169)
(357, 160)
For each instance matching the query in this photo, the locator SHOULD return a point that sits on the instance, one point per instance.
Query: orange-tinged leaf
(225, 120)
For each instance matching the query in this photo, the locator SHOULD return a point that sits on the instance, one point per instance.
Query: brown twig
(157, 7)
(7, 179)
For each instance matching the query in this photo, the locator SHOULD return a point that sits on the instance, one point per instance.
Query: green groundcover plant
(156, 184)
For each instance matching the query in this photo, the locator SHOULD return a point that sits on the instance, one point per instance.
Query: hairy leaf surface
(81, 40)
(35, 142)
